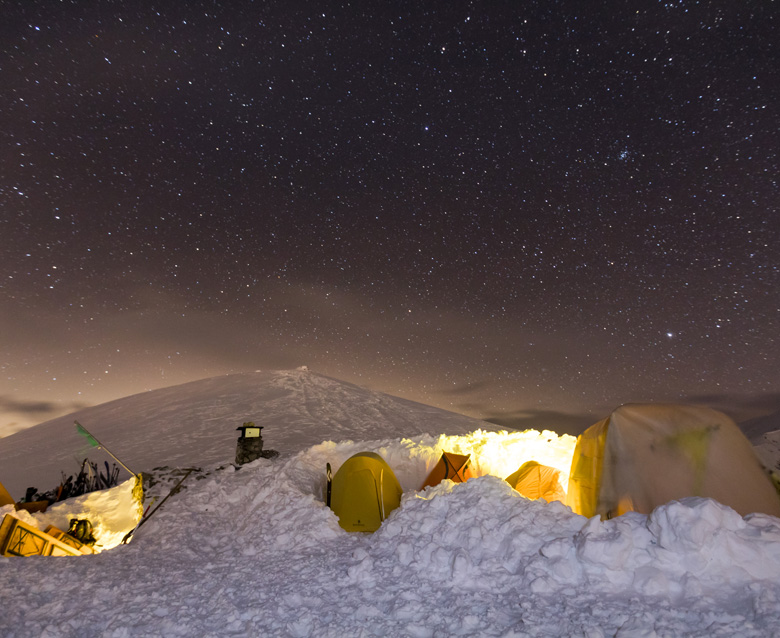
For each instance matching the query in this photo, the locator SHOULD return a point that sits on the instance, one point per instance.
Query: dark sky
(524, 211)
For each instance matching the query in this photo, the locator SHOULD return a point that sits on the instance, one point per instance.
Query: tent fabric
(364, 491)
(645, 455)
(455, 467)
(585, 474)
(18, 538)
(534, 480)
(5, 497)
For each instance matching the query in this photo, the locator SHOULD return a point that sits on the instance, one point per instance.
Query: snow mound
(254, 551)
(456, 559)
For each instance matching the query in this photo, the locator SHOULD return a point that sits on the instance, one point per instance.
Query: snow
(113, 513)
(254, 551)
(768, 449)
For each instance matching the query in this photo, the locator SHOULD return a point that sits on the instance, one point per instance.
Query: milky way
(525, 211)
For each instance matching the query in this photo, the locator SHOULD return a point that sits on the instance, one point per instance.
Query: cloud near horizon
(19, 414)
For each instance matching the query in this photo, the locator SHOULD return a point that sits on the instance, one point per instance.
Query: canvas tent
(363, 492)
(534, 480)
(5, 497)
(455, 467)
(645, 455)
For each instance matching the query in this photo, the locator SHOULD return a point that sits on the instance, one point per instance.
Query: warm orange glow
(501, 453)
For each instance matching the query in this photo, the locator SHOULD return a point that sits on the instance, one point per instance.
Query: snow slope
(195, 424)
(255, 552)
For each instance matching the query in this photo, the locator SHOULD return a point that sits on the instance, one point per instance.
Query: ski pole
(171, 493)
(143, 516)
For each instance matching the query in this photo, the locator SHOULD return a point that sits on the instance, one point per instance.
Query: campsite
(395, 319)
(254, 549)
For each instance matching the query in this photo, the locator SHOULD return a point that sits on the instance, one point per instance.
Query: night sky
(526, 211)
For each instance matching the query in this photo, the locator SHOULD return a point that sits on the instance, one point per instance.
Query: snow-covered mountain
(194, 424)
(254, 551)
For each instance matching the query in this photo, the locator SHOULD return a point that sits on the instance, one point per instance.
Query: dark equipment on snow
(81, 530)
(329, 484)
(89, 479)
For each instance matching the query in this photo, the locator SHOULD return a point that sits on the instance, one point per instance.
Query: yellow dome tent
(645, 455)
(363, 492)
(534, 480)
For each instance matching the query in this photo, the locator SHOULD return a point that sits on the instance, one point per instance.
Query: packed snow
(112, 513)
(254, 551)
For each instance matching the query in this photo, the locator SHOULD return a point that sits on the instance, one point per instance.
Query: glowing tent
(643, 456)
(455, 467)
(535, 481)
(5, 497)
(363, 492)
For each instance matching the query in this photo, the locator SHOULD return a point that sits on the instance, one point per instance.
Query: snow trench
(255, 551)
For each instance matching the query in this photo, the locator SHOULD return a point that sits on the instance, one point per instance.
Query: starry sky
(525, 211)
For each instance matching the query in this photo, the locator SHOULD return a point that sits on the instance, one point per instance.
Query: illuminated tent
(32, 507)
(535, 481)
(643, 456)
(5, 497)
(363, 492)
(455, 467)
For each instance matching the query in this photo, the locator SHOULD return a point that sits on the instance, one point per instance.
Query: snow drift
(254, 551)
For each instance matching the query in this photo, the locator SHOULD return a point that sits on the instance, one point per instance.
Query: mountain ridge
(195, 423)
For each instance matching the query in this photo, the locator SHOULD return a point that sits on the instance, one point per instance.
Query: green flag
(95, 443)
(92, 440)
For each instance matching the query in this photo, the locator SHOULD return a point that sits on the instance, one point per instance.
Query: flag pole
(97, 443)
